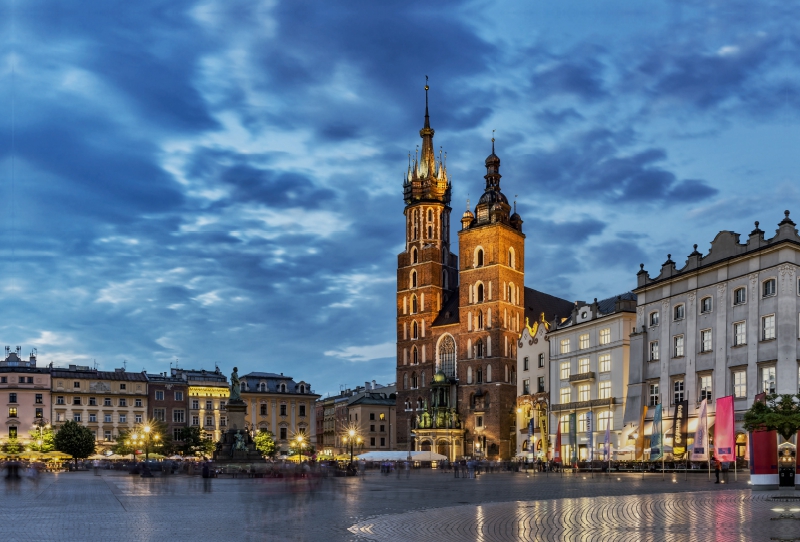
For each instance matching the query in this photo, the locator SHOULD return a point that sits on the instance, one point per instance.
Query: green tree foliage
(307, 449)
(46, 435)
(75, 440)
(265, 443)
(160, 440)
(194, 442)
(12, 446)
(779, 412)
(121, 444)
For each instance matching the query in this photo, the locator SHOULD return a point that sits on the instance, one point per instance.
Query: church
(459, 317)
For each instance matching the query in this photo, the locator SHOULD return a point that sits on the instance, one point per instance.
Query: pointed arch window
(511, 259)
(447, 356)
(414, 356)
(489, 373)
(479, 293)
(413, 279)
(430, 215)
(479, 376)
(479, 258)
(413, 304)
(414, 381)
(480, 319)
(414, 255)
(479, 349)
(430, 232)
(414, 331)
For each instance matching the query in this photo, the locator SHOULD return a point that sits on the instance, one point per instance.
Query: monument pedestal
(226, 450)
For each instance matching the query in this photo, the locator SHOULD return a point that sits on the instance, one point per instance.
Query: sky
(220, 182)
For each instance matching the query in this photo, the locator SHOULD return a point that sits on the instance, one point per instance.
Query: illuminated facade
(208, 393)
(25, 389)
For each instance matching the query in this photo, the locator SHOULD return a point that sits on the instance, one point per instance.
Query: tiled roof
(98, 375)
(537, 302)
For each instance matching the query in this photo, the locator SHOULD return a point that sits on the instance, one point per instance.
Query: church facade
(458, 317)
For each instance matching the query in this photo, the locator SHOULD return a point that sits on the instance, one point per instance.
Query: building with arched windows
(458, 325)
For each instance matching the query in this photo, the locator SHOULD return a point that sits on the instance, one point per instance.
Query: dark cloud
(582, 78)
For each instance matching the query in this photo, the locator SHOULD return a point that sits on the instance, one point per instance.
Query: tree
(779, 412)
(296, 449)
(75, 440)
(42, 433)
(160, 440)
(12, 446)
(122, 444)
(265, 443)
(194, 442)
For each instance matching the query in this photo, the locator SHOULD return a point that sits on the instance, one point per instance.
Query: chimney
(373, 384)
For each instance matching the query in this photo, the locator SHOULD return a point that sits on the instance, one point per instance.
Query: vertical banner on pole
(657, 437)
(723, 430)
(680, 428)
(606, 440)
(590, 434)
(573, 437)
(639, 453)
(531, 441)
(544, 431)
(557, 449)
(700, 450)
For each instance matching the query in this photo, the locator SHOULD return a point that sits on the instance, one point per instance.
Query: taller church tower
(427, 277)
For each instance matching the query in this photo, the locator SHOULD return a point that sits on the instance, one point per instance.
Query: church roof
(449, 313)
(537, 302)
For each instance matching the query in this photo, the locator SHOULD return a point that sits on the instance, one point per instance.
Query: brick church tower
(491, 314)
(427, 277)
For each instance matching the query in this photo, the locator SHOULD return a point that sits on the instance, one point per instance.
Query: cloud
(365, 353)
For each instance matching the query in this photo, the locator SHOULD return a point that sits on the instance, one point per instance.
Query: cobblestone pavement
(429, 505)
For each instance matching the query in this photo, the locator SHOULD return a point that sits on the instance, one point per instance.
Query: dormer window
(679, 312)
(283, 388)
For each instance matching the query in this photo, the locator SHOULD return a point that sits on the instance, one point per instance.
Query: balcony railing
(581, 377)
(576, 405)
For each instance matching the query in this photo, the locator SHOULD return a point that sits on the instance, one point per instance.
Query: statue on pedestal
(235, 386)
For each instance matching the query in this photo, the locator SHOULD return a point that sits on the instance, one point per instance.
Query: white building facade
(533, 398)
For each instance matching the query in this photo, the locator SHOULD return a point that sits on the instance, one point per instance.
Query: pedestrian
(717, 467)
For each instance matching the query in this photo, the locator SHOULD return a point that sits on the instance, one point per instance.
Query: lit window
(739, 334)
(565, 346)
(583, 365)
(740, 384)
(604, 363)
(603, 419)
(605, 336)
(604, 390)
(565, 370)
(565, 424)
(566, 395)
(705, 340)
(678, 344)
(583, 341)
(583, 392)
(582, 422)
(768, 327)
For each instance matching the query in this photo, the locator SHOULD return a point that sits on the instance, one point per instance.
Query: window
(767, 327)
(541, 360)
(222, 405)
(584, 392)
(76, 417)
(479, 421)
(209, 421)
(603, 419)
(740, 296)
(12, 412)
(123, 418)
(283, 433)
(653, 319)
(302, 410)
(76, 401)
(123, 386)
(566, 395)
(92, 418)
(383, 441)
(413, 279)
(413, 304)
(565, 346)
(372, 441)
(382, 417)
(30, 380)
(159, 395)
(511, 262)
(739, 334)
(678, 344)
(74, 384)
(3, 380)
(565, 370)
(178, 415)
(179, 396)
(526, 386)
(39, 399)
(583, 341)
(12, 397)
(176, 433)
(583, 365)
(769, 288)
(60, 400)
(138, 403)
(654, 351)
(479, 376)
(540, 385)
(582, 423)
(479, 349)
(565, 424)
(705, 305)
(209, 405)
(679, 312)
(740, 384)
(604, 363)
(107, 436)
(283, 410)
(677, 391)
(39, 412)
(705, 340)
(107, 418)
(195, 404)
(92, 401)
(705, 388)
(195, 420)
(372, 428)
(768, 380)
(479, 293)
(525, 363)
(654, 397)
(138, 418)
(160, 414)
(605, 336)
(107, 401)
(123, 402)
(604, 390)
(263, 409)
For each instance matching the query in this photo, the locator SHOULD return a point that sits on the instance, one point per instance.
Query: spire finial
(467, 202)
(427, 119)
(515, 203)
(493, 141)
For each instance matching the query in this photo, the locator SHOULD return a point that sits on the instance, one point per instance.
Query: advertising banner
(544, 430)
(606, 450)
(724, 436)
(639, 453)
(557, 449)
(657, 438)
(700, 446)
(573, 438)
(680, 428)
(590, 433)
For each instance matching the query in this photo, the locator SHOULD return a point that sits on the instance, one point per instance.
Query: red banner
(764, 454)
(724, 436)
(557, 450)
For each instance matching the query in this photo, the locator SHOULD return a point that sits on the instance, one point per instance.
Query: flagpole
(591, 451)
(663, 452)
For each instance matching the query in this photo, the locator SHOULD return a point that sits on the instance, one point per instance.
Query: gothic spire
(427, 162)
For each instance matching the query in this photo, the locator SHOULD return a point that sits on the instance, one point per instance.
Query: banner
(760, 398)
(590, 433)
(606, 451)
(557, 449)
(724, 436)
(544, 430)
(680, 428)
(573, 438)
(639, 453)
(657, 437)
(700, 447)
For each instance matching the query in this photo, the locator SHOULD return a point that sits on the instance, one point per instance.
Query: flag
(606, 441)
(573, 437)
(590, 434)
(723, 429)
(700, 451)
(657, 438)
(639, 453)
(557, 450)
(761, 398)
(544, 430)
(680, 428)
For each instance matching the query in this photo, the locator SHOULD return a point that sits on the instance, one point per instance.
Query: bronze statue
(235, 386)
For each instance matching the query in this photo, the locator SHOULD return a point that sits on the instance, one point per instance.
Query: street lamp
(352, 438)
(300, 444)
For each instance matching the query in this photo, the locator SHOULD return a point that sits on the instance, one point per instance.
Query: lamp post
(352, 438)
(300, 444)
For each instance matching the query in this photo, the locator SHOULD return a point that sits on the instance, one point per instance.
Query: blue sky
(220, 181)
